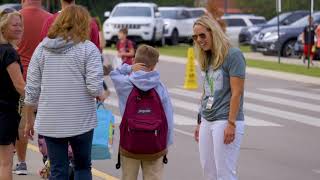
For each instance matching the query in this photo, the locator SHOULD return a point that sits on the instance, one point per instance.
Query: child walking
(146, 128)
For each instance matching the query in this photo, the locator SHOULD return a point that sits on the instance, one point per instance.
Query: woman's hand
(229, 133)
(138, 67)
(28, 130)
(29, 114)
(196, 133)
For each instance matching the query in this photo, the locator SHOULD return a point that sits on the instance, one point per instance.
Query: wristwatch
(199, 119)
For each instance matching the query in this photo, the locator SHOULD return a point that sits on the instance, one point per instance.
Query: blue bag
(103, 134)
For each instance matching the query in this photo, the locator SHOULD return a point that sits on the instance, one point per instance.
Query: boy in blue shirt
(142, 74)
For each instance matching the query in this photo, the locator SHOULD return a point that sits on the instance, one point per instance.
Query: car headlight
(146, 25)
(272, 36)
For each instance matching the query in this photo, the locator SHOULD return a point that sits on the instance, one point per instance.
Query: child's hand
(138, 66)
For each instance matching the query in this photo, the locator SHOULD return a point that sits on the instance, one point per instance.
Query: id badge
(210, 102)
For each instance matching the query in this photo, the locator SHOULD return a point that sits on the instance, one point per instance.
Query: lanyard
(210, 82)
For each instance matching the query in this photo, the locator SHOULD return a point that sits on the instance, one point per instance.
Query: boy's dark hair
(124, 31)
(147, 55)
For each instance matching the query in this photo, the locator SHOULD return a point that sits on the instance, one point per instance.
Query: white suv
(238, 21)
(178, 22)
(143, 21)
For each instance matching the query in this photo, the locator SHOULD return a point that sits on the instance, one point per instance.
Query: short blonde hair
(147, 55)
(72, 24)
(220, 44)
(5, 16)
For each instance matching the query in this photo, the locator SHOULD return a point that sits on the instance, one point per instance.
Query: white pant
(219, 160)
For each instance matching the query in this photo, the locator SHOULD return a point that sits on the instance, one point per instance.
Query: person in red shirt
(33, 19)
(94, 30)
(125, 47)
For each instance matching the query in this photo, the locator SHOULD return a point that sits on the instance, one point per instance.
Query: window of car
(257, 21)
(183, 14)
(132, 11)
(196, 13)
(169, 14)
(274, 20)
(235, 22)
(304, 21)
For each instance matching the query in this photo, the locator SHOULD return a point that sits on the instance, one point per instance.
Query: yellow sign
(190, 80)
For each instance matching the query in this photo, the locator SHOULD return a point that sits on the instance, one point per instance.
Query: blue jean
(59, 161)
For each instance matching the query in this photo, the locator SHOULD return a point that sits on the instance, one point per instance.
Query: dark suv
(286, 18)
(267, 40)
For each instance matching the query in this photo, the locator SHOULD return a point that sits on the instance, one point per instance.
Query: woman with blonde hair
(12, 87)
(64, 77)
(221, 124)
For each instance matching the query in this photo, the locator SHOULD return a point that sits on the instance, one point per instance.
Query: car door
(234, 26)
(183, 24)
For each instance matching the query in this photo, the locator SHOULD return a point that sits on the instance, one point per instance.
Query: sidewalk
(34, 162)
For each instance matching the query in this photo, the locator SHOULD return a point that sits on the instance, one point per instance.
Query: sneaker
(20, 169)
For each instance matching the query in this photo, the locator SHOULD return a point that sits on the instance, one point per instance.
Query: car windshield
(169, 14)
(304, 21)
(196, 13)
(275, 19)
(132, 11)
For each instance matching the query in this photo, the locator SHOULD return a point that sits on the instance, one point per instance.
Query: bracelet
(199, 119)
(232, 123)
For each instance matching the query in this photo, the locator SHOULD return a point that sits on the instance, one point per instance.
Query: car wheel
(288, 49)
(174, 40)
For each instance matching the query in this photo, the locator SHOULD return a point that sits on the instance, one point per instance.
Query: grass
(182, 49)
(290, 68)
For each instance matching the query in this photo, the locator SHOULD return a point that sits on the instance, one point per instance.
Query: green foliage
(267, 8)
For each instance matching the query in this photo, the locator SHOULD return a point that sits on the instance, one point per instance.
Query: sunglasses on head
(201, 36)
(7, 11)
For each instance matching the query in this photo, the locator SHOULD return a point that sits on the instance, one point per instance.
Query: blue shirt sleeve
(236, 65)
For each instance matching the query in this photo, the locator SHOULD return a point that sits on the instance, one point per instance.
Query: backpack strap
(118, 165)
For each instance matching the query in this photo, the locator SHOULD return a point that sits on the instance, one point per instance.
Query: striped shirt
(64, 83)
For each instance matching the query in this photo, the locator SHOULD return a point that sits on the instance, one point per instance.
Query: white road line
(316, 171)
(295, 93)
(183, 120)
(260, 97)
(282, 101)
(313, 121)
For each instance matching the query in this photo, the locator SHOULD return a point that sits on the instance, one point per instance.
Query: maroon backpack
(144, 127)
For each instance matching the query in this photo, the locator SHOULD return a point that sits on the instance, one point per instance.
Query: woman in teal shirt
(221, 128)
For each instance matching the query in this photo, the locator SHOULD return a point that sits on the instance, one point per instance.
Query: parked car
(197, 12)
(177, 24)
(15, 6)
(236, 22)
(286, 18)
(143, 21)
(268, 43)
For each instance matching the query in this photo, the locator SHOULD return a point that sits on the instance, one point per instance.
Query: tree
(267, 8)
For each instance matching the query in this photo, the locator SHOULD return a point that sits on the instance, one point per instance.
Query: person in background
(65, 75)
(317, 53)
(221, 127)
(12, 87)
(94, 31)
(125, 47)
(33, 19)
(308, 35)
